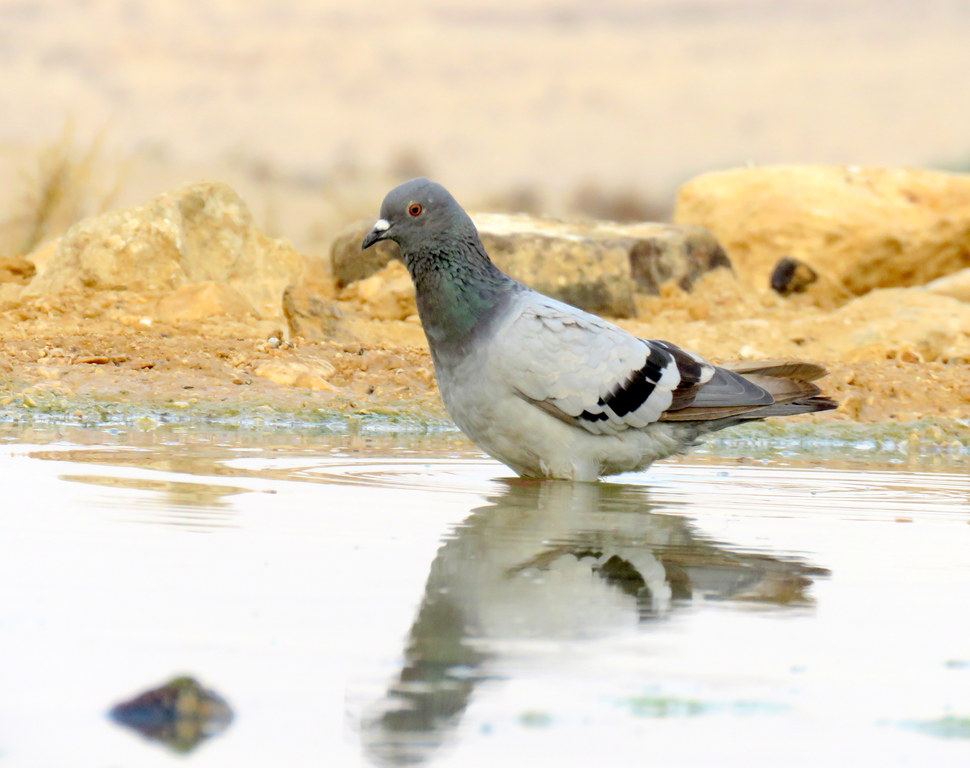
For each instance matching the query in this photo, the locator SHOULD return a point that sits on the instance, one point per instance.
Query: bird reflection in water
(555, 561)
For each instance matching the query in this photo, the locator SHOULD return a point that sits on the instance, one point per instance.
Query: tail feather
(784, 390)
(791, 369)
(788, 382)
(807, 405)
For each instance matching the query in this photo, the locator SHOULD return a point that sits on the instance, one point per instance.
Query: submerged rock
(181, 714)
(864, 228)
(198, 234)
(599, 267)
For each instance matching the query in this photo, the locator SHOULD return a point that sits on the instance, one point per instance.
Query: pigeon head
(420, 214)
(459, 290)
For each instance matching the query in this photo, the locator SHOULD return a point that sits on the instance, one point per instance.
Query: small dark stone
(180, 714)
(792, 276)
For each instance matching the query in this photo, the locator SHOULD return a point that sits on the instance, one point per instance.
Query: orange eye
(415, 209)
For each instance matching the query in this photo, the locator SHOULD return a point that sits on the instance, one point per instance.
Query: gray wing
(587, 371)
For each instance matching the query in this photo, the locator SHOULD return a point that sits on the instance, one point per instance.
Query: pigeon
(552, 391)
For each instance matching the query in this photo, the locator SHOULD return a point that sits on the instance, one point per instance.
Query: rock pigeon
(552, 391)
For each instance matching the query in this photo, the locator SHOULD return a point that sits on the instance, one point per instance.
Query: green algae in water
(770, 439)
(45, 407)
(535, 719)
(929, 436)
(948, 727)
(675, 706)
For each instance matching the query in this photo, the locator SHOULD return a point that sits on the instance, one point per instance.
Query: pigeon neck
(459, 291)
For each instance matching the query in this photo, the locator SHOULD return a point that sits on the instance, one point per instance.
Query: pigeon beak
(379, 232)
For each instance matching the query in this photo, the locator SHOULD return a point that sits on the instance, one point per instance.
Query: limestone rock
(865, 228)
(908, 324)
(673, 254)
(16, 269)
(956, 285)
(598, 266)
(198, 301)
(350, 263)
(385, 295)
(200, 233)
(10, 294)
(311, 374)
(311, 315)
(42, 254)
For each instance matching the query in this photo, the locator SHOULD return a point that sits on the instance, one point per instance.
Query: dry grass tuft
(65, 184)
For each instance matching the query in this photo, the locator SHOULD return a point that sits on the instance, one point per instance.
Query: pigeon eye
(415, 209)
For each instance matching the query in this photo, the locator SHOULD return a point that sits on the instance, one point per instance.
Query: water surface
(397, 600)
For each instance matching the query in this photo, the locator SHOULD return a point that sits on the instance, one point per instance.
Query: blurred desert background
(551, 105)
(311, 111)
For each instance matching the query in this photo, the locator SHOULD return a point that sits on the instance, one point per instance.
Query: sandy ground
(63, 354)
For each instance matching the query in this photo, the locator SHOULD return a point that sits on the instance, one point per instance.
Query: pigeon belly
(533, 443)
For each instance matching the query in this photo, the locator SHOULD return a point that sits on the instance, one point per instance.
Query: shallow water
(392, 600)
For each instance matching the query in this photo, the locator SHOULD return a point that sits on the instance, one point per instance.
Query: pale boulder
(200, 233)
(956, 286)
(199, 301)
(385, 295)
(908, 324)
(310, 314)
(863, 228)
(10, 294)
(309, 374)
(43, 254)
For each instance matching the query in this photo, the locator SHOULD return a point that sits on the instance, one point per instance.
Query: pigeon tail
(789, 383)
